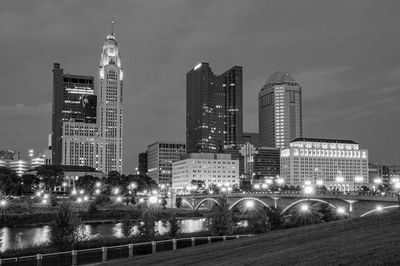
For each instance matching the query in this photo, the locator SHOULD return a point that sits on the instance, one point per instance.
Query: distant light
(307, 182)
(280, 181)
(320, 182)
(64, 184)
(141, 200)
(97, 191)
(304, 207)
(44, 201)
(256, 186)
(73, 192)
(98, 184)
(118, 199)
(250, 204)
(377, 181)
(223, 189)
(308, 190)
(81, 191)
(264, 186)
(197, 66)
(154, 192)
(269, 181)
(379, 208)
(116, 191)
(153, 199)
(340, 179)
(397, 185)
(85, 198)
(3, 203)
(79, 200)
(358, 179)
(46, 196)
(340, 210)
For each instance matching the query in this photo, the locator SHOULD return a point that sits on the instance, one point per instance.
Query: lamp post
(308, 190)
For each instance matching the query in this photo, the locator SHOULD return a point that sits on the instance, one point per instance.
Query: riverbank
(361, 241)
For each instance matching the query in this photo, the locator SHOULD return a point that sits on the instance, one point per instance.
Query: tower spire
(112, 27)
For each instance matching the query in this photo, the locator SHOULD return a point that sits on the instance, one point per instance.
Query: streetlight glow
(307, 182)
(377, 181)
(98, 184)
(340, 210)
(340, 179)
(358, 179)
(379, 208)
(308, 190)
(304, 207)
(3, 203)
(256, 186)
(250, 204)
(320, 182)
(153, 199)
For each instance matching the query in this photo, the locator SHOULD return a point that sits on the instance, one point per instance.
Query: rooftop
(345, 141)
(280, 77)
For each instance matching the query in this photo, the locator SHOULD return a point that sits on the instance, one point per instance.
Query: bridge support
(351, 202)
(275, 202)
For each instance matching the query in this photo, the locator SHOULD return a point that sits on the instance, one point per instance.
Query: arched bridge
(354, 205)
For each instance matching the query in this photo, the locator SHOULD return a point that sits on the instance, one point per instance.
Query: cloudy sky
(345, 55)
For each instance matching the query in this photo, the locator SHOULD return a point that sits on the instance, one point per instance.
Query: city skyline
(329, 52)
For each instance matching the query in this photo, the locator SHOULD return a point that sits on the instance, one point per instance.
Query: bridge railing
(103, 254)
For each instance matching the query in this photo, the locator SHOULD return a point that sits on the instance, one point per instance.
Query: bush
(62, 233)
(222, 223)
(174, 226)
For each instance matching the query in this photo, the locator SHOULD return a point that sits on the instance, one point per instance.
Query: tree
(221, 217)
(259, 222)
(9, 181)
(146, 227)
(174, 226)
(325, 213)
(86, 182)
(164, 203)
(245, 185)
(29, 183)
(50, 175)
(62, 233)
(127, 226)
(178, 202)
(275, 217)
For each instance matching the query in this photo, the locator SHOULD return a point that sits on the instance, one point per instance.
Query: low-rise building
(212, 168)
(337, 164)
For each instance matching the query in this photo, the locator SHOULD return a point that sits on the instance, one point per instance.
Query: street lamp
(304, 208)
(340, 210)
(153, 199)
(250, 204)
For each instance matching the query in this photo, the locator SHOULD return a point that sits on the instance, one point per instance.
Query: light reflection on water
(22, 237)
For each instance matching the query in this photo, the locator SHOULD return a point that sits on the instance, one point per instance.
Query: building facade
(160, 156)
(110, 107)
(80, 144)
(280, 111)
(214, 109)
(266, 162)
(208, 167)
(74, 100)
(252, 138)
(338, 164)
(142, 163)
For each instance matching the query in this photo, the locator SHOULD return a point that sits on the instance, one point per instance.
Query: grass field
(373, 240)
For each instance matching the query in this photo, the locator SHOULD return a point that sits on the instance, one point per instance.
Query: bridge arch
(377, 210)
(187, 203)
(249, 198)
(303, 200)
(204, 200)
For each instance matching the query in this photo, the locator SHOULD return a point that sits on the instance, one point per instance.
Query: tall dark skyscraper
(214, 109)
(73, 101)
(280, 111)
(142, 163)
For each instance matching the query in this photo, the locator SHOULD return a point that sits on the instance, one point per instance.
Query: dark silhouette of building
(280, 111)
(266, 162)
(252, 138)
(214, 109)
(73, 100)
(143, 163)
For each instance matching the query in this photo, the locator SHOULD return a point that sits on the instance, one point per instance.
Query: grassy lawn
(373, 240)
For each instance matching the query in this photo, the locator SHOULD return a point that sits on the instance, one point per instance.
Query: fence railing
(103, 254)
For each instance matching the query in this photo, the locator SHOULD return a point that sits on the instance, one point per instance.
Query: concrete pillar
(237, 236)
(209, 239)
(174, 244)
(193, 242)
(74, 254)
(276, 202)
(39, 259)
(153, 247)
(224, 238)
(130, 247)
(104, 254)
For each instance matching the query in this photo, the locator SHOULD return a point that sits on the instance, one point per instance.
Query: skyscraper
(110, 106)
(73, 101)
(214, 109)
(280, 111)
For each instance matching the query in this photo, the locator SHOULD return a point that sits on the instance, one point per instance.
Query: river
(23, 237)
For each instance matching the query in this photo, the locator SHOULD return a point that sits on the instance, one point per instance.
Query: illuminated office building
(337, 164)
(280, 111)
(214, 109)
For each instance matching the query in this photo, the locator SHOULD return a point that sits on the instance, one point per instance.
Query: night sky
(344, 54)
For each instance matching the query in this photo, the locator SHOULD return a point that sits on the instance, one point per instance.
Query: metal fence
(103, 254)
